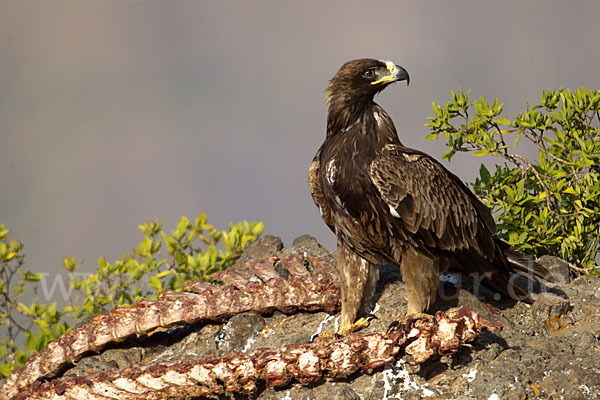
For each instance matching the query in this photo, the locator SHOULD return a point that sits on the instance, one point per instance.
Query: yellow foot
(413, 316)
(420, 315)
(348, 329)
(323, 335)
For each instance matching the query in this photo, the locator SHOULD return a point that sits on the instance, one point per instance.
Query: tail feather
(509, 287)
(523, 276)
(524, 265)
(510, 272)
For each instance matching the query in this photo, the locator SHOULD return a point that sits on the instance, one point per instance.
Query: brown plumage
(387, 202)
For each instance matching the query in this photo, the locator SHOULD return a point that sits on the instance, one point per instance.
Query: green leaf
(31, 277)
(517, 139)
(484, 174)
(502, 121)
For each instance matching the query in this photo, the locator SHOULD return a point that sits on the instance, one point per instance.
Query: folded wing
(431, 203)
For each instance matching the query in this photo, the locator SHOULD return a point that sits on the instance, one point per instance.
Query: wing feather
(432, 203)
(314, 184)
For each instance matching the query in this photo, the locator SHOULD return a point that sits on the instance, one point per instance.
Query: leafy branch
(546, 206)
(160, 261)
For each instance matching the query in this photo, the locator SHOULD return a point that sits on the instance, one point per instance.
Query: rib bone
(198, 302)
(305, 363)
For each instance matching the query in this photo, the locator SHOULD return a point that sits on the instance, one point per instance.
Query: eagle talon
(393, 325)
(409, 316)
(369, 317)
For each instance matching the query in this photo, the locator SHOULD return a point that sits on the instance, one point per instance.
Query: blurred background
(113, 113)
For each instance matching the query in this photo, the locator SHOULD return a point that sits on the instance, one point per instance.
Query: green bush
(549, 205)
(193, 252)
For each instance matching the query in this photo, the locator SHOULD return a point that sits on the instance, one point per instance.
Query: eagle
(389, 203)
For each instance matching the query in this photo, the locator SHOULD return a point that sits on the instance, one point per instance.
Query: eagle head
(360, 80)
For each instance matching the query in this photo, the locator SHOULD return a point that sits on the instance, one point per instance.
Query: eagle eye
(369, 74)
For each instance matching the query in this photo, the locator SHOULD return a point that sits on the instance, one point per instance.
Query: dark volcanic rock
(548, 350)
(309, 245)
(557, 267)
(238, 331)
(551, 312)
(263, 247)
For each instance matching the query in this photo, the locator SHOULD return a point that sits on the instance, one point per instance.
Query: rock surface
(550, 349)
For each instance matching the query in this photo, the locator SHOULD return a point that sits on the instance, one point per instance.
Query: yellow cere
(388, 78)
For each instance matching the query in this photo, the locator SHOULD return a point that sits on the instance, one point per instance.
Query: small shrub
(550, 205)
(160, 261)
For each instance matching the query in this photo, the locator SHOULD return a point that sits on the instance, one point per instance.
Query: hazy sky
(117, 112)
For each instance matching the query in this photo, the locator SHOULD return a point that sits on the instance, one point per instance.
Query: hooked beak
(396, 74)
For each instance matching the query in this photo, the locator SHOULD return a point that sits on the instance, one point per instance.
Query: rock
(487, 311)
(550, 311)
(559, 268)
(545, 350)
(263, 247)
(309, 245)
(559, 383)
(332, 391)
(237, 334)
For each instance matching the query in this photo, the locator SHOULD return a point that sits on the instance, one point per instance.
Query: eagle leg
(359, 278)
(421, 275)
